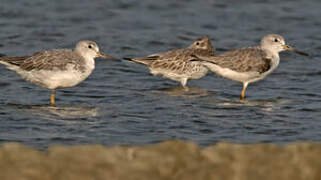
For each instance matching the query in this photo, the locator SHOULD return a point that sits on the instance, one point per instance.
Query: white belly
(230, 74)
(250, 76)
(56, 78)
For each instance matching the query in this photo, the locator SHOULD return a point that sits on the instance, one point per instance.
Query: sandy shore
(167, 160)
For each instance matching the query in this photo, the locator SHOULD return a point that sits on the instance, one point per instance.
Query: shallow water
(121, 103)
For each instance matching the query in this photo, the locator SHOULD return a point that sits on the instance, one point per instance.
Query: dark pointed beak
(289, 48)
(105, 56)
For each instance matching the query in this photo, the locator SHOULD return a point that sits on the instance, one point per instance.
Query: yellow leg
(243, 91)
(52, 97)
(184, 82)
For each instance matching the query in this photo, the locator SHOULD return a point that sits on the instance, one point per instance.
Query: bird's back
(244, 60)
(56, 59)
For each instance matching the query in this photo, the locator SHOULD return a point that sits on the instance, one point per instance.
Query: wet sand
(166, 160)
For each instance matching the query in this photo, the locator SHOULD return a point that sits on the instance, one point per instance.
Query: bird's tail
(13, 61)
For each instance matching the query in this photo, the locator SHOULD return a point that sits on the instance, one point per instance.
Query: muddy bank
(167, 160)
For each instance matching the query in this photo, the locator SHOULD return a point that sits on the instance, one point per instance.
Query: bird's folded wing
(241, 60)
(51, 60)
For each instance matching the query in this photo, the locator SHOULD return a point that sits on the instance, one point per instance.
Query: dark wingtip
(195, 58)
(127, 58)
(1, 55)
(200, 59)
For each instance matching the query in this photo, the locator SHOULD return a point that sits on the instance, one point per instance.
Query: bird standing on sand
(176, 64)
(251, 64)
(58, 68)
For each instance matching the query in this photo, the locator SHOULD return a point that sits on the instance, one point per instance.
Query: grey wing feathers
(49, 60)
(45, 60)
(242, 60)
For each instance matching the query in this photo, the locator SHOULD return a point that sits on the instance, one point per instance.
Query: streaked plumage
(251, 64)
(176, 64)
(58, 68)
(48, 60)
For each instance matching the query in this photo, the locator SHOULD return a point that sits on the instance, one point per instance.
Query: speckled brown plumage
(176, 64)
(179, 54)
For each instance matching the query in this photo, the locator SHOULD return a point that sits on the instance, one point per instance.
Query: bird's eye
(276, 40)
(197, 43)
(89, 46)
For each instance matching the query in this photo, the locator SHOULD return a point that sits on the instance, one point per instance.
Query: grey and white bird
(251, 64)
(58, 68)
(176, 64)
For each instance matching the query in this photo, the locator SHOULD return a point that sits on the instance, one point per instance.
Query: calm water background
(121, 103)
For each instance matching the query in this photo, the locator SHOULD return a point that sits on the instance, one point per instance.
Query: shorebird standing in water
(176, 64)
(251, 64)
(58, 68)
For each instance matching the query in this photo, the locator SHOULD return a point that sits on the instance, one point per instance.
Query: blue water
(121, 103)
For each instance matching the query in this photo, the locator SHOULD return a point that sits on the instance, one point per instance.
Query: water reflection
(59, 112)
(265, 104)
(179, 91)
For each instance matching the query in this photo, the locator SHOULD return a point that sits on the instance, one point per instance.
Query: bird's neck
(271, 53)
(274, 56)
(88, 57)
(90, 63)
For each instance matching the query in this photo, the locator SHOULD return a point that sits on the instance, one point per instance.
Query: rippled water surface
(121, 103)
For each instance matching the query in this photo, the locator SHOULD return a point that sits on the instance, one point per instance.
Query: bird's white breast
(275, 60)
(230, 74)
